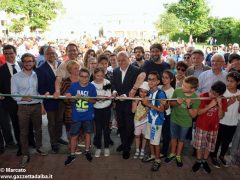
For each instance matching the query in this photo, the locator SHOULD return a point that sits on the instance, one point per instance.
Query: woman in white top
(228, 123)
(102, 110)
(169, 82)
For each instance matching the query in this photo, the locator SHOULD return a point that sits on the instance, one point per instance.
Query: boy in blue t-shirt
(155, 119)
(82, 113)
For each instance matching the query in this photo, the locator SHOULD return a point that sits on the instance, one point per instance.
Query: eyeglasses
(85, 77)
(186, 57)
(151, 79)
(181, 69)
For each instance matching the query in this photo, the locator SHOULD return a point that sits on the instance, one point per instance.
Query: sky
(81, 7)
(81, 14)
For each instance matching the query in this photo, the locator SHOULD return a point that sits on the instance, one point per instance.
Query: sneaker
(88, 156)
(179, 161)
(106, 152)
(136, 155)
(162, 156)
(141, 155)
(206, 167)
(170, 158)
(69, 160)
(196, 166)
(78, 151)
(148, 159)
(63, 142)
(41, 152)
(215, 162)
(24, 161)
(55, 148)
(223, 161)
(97, 153)
(156, 165)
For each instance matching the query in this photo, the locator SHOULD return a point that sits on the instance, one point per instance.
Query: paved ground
(109, 168)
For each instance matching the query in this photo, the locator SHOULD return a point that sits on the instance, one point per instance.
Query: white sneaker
(141, 155)
(106, 152)
(136, 155)
(78, 151)
(98, 153)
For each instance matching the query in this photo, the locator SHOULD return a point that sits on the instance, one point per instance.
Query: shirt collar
(55, 66)
(125, 69)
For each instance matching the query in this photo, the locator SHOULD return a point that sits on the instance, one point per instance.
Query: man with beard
(29, 110)
(155, 63)
(8, 104)
(139, 55)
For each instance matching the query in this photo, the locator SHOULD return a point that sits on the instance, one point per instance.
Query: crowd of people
(176, 94)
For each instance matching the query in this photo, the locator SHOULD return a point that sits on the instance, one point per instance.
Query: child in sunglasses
(181, 68)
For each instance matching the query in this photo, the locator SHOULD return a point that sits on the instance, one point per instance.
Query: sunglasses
(186, 57)
(181, 69)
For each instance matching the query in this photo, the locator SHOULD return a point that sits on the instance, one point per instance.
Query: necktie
(14, 69)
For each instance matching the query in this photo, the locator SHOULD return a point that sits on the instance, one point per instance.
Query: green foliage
(168, 24)
(180, 36)
(225, 30)
(36, 13)
(17, 25)
(193, 14)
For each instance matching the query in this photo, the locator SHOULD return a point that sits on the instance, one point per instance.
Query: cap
(144, 86)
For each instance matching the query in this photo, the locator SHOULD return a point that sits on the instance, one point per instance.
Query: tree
(226, 29)
(168, 24)
(33, 13)
(17, 25)
(193, 14)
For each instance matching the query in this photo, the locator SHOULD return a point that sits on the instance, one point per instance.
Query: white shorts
(153, 133)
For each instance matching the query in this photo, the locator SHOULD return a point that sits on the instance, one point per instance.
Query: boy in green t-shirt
(183, 110)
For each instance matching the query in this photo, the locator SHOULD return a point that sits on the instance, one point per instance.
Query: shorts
(178, 132)
(140, 129)
(205, 139)
(153, 133)
(76, 126)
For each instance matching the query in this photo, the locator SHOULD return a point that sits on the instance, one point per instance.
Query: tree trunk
(190, 38)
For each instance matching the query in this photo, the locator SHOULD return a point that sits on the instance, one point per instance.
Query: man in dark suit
(8, 104)
(126, 80)
(46, 86)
